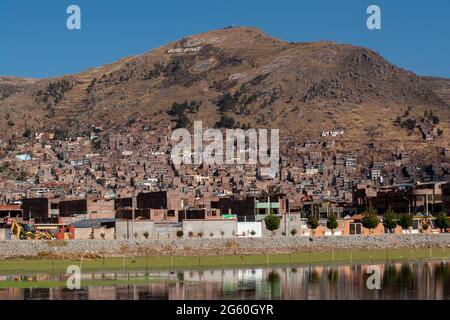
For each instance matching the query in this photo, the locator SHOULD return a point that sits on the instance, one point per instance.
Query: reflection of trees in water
(333, 275)
(274, 281)
(442, 271)
(442, 275)
(400, 280)
(390, 276)
(404, 278)
(273, 278)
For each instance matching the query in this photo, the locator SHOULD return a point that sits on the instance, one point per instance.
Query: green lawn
(19, 266)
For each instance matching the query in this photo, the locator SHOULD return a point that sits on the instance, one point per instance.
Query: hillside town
(123, 185)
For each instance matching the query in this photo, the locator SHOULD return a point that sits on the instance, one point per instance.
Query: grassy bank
(20, 266)
(31, 283)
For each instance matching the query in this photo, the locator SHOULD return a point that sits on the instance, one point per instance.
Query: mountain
(244, 74)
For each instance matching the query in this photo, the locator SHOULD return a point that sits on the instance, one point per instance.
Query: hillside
(241, 73)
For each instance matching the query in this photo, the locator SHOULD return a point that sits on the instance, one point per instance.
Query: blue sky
(35, 42)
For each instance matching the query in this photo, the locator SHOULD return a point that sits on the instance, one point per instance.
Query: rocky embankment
(185, 247)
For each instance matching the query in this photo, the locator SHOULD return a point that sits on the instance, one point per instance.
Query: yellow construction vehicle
(22, 234)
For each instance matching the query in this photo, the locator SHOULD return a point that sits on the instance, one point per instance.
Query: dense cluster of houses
(90, 181)
(165, 214)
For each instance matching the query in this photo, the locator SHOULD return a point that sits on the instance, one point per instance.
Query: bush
(272, 222)
(390, 221)
(332, 222)
(225, 122)
(200, 234)
(370, 221)
(146, 234)
(180, 234)
(405, 221)
(293, 232)
(442, 222)
(409, 124)
(312, 222)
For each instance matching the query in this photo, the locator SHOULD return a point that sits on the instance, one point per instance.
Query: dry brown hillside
(243, 74)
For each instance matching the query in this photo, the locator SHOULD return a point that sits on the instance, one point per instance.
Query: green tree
(370, 221)
(405, 221)
(272, 222)
(390, 221)
(442, 222)
(312, 222)
(332, 223)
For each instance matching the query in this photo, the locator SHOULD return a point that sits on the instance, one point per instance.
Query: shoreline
(94, 249)
(173, 262)
(54, 263)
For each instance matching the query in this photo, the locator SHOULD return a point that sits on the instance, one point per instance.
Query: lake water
(406, 280)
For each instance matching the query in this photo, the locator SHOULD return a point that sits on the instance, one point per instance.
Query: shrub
(390, 221)
(200, 234)
(405, 221)
(370, 221)
(293, 232)
(146, 234)
(180, 234)
(409, 124)
(253, 232)
(225, 122)
(312, 222)
(332, 222)
(272, 222)
(442, 222)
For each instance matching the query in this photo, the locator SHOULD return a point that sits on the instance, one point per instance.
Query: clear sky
(35, 42)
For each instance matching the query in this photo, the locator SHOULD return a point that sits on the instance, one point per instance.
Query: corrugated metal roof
(90, 223)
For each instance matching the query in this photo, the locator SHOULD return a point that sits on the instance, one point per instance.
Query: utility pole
(289, 214)
(409, 205)
(285, 221)
(133, 213)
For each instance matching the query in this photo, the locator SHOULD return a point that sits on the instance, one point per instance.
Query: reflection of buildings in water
(11, 294)
(408, 280)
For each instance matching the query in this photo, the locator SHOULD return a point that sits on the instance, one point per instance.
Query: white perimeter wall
(248, 227)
